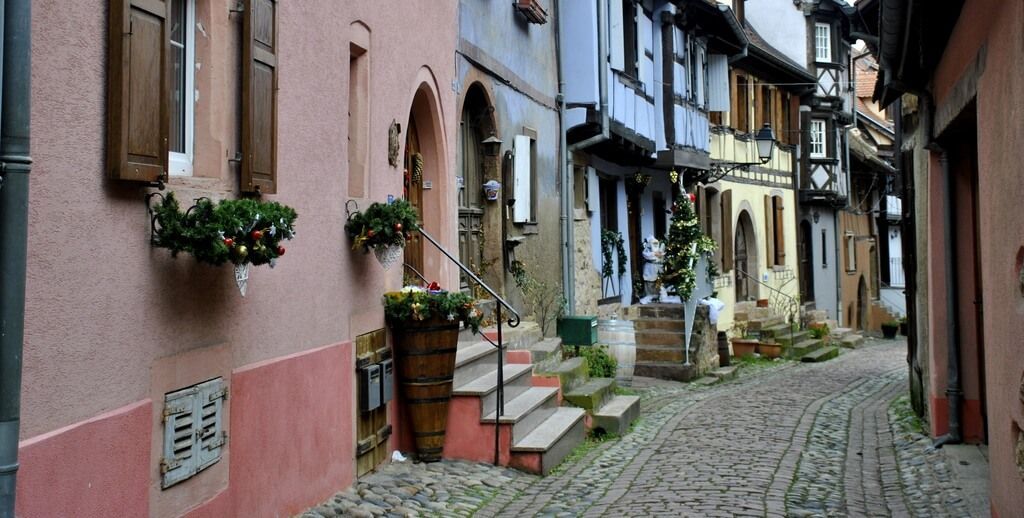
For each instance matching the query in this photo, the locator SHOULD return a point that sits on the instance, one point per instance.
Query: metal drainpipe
(954, 391)
(15, 165)
(565, 177)
(569, 263)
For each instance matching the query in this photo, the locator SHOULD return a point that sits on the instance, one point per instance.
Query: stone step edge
(522, 405)
(488, 383)
(564, 419)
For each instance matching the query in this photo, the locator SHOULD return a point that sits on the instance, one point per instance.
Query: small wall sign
(427, 184)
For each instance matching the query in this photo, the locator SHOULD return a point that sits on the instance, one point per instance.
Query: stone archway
(479, 221)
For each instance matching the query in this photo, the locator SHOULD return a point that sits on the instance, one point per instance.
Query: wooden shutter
(138, 90)
(769, 231)
(718, 83)
(522, 180)
(209, 422)
(259, 97)
(727, 237)
(780, 232)
(702, 215)
(617, 57)
(179, 459)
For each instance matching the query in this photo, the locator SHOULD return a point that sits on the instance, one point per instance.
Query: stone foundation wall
(588, 278)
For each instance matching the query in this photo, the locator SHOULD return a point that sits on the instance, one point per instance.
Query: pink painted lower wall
(99, 467)
(293, 431)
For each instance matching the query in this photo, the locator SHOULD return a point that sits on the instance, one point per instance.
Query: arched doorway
(806, 262)
(413, 191)
(862, 304)
(473, 169)
(745, 258)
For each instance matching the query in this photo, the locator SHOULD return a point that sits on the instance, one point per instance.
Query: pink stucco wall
(103, 306)
(994, 24)
(99, 467)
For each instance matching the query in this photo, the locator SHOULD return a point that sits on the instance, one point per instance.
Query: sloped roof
(774, 63)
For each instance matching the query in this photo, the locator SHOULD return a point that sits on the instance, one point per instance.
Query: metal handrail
(417, 272)
(790, 303)
(513, 321)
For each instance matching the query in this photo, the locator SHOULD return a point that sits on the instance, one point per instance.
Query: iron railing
(780, 302)
(513, 321)
(897, 279)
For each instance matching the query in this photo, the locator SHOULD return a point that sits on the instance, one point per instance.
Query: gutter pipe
(568, 232)
(15, 166)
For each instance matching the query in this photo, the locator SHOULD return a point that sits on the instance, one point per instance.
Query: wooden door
(372, 428)
(471, 210)
(806, 262)
(414, 167)
(635, 240)
(740, 256)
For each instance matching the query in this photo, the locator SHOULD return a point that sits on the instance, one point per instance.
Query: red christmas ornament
(693, 197)
(228, 242)
(280, 250)
(434, 286)
(257, 235)
(370, 233)
(398, 227)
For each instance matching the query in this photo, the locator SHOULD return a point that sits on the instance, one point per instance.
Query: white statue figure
(654, 255)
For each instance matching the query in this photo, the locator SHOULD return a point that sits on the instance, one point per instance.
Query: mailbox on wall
(369, 387)
(387, 380)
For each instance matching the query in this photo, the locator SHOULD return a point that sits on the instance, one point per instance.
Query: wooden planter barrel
(425, 360)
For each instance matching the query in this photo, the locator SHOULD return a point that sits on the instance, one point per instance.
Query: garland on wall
(612, 239)
(683, 246)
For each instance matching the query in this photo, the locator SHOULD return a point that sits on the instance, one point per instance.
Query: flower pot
(491, 190)
(425, 360)
(769, 350)
(743, 347)
(889, 331)
(389, 255)
(762, 303)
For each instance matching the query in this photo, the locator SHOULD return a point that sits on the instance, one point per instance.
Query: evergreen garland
(683, 233)
(416, 304)
(239, 231)
(382, 224)
(610, 239)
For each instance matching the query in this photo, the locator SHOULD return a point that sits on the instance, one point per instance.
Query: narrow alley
(785, 439)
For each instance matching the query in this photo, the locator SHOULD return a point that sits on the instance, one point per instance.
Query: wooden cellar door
(372, 429)
(414, 167)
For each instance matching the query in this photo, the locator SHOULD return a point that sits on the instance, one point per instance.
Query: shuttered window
(182, 77)
(194, 435)
(718, 83)
(259, 97)
(138, 93)
(727, 237)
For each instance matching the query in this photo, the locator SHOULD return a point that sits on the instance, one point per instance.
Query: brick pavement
(790, 440)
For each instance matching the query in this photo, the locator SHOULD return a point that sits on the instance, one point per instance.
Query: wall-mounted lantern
(491, 145)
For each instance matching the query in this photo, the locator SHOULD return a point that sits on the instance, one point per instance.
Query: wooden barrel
(425, 360)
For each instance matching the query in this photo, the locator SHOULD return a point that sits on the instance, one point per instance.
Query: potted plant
(383, 228)
(243, 232)
(890, 328)
(425, 324)
(742, 345)
(769, 349)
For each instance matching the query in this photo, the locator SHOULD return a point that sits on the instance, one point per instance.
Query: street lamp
(765, 141)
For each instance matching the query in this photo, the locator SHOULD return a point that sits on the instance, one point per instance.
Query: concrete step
(592, 394)
(803, 348)
(659, 324)
(674, 371)
(758, 324)
(823, 354)
(788, 340)
(516, 378)
(706, 381)
(724, 373)
(659, 337)
(550, 442)
(546, 354)
(617, 414)
(839, 332)
(660, 311)
(474, 360)
(516, 338)
(571, 373)
(663, 353)
(527, 410)
(851, 341)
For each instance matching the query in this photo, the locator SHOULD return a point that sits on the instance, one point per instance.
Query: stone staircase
(659, 331)
(536, 431)
(771, 327)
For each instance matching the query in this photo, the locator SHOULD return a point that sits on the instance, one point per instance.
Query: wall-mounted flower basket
(383, 228)
(425, 328)
(243, 232)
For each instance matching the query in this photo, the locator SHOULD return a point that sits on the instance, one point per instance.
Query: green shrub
(819, 332)
(600, 363)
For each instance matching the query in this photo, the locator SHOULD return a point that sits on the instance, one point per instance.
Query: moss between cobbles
(906, 419)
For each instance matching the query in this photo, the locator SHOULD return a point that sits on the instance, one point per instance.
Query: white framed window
(183, 58)
(818, 138)
(851, 253)
(823, 43)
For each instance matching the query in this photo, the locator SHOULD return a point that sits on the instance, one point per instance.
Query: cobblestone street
(785, 439)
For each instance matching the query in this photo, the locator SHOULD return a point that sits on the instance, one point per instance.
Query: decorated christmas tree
(680, 253)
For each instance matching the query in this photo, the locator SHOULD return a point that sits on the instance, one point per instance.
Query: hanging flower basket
(383, 228)
(243, 232)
